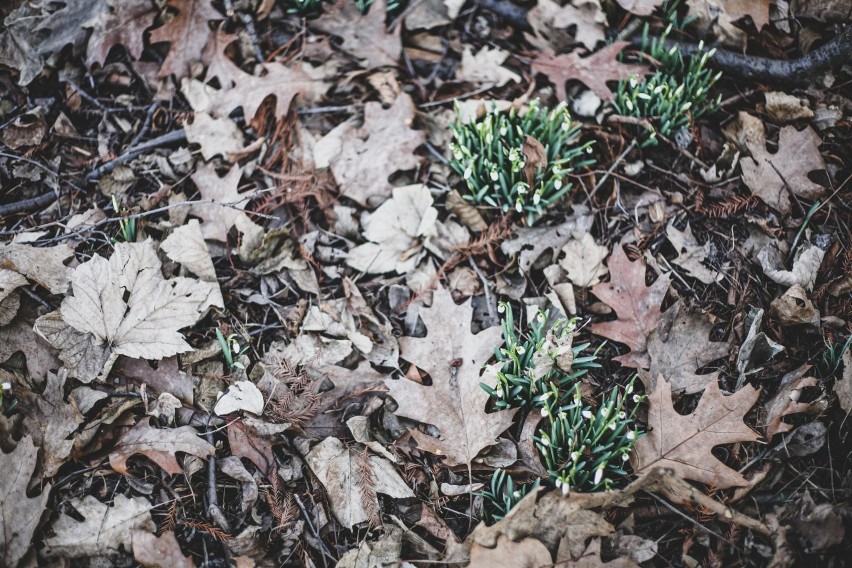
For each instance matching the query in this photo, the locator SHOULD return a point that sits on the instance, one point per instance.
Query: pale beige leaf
(772, 177)
(160, 445)
(186, 245)
(784, 108)
(691, 254)
(19, 513)
(84, 355)
(9, 305)
(786, 400)
(105, 530)
(216, 136)
(684, 442)
(733, 9)
(10, 281)
(339, 470)
(530, 243)
(485, 67)
(640, 7)
(794, 308)
(680, 346)
(187, 33)
(396, 229)
(551, 23)
(363, 157)
(455, 402)
(843, 384)
(595, 71)
(46, 265)
(806, 264)
(242, 395)
(152, 551)
(364, 36)
(227, 203)
(528, 553)
(637, 306)
(583, 261)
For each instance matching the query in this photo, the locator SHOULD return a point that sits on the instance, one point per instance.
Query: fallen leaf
(757, 349)
(386, 551)
(186, 246)
(591, 558)
(363, 157)
(105, 531)
(123, 24)
(19, 513)
(45, 266)
(584, 261)
(187, 33)
(228, 204)
(773, 177)
(51, 422)
(396, 230)
(364, 36)
(641, 7)
(735, 9)
(216, 136)
(843, 384)
(242, 395)
(346, 472)
(806, 265)
(528, 553)
(530, 243)
(635, 547)
(146, 324)
(784, 108)
(684, 442)
(16, 49)
(551, 22)
(10, 300)
(691, 254)
(160, 445)
(152, 551)
(455, 402)
(83, 354)
(681, 345)
(594, 71)
(68, 24)
(637, 306)
(786, 400)
(234, 468)
(485, 67)
(794, 308)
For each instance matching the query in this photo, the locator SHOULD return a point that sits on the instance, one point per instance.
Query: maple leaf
(683, 443)
(46, 265)
(158, 445)
(146, 323)
(346, 472)
(124, 24)
(364, 36)
(772, 177)
(187, 32)
(19, 514)
(637, 307)
(679, 346)
(220, 216)
(455, 402)
(594, 71)
(104, 531)
(362, 158)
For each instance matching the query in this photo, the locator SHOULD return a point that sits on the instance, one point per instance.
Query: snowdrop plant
(671, 99)
(499, 157)
(583, 446)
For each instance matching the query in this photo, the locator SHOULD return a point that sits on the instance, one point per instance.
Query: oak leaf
(691, 254)
(485, 67)
(455, 402)
(363, 157)
(786, 400)
(124, 24)
(364, 36)
(187, 32)
(594, 71)
(160, 445)
(637, 307)
(19, 513)
(227, 203)
(67, 25)
(105, 530)
(684, 442)
(550, 23)
(772, 177)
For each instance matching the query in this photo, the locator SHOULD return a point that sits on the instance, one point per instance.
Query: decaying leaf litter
(340, 284)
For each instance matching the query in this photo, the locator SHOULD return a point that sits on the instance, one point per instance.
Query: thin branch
(132, 152)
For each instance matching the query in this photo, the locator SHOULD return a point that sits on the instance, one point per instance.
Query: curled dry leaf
(242, 395)
(19, 513)
(455, 402)
(684, 443)
(794, 308)
(45, 266)
(186, 245)
(530, 243)
(160, 445)
(226, 203)
(843, 384)
(786, 400)
(691, 254)
(640, 7)
(805, 265)
(637, 306)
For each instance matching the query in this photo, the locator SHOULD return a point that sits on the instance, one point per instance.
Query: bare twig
(30, 204)
(213, 509)
(313, 530)
(132, 152)
(149, 118)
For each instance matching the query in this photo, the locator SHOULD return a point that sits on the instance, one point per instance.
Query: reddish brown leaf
(637, 306)
(684, 443)
(594, 71)
(124, 24)
(158, 445)
(786, 400)
(364, 36)
(187, 32)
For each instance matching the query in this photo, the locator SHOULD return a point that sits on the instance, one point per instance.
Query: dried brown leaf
(455, 402)
(684, 442)
(187, 32)
(637, 306)
(160, 445)
(124, 24)
(786, 400)
(528, 553)
(594, 71)
(152, 551)
(218, 217)
(19, 513)
(364, 36)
